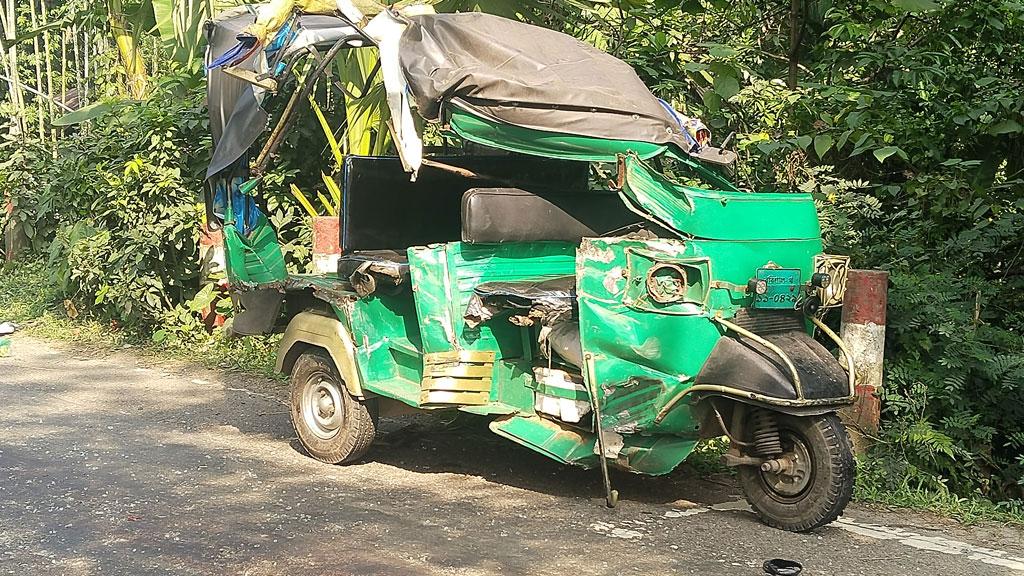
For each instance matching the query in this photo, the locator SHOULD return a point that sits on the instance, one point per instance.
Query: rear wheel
(331, 424)
(811, 482)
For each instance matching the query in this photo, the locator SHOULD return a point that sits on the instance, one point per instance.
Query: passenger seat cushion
(498, 215)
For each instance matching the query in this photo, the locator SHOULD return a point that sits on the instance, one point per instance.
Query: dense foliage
(903, 117)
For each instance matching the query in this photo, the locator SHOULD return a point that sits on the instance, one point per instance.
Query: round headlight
(821, 280)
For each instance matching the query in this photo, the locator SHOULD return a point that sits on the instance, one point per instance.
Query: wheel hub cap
(795, 473)
(321, 407)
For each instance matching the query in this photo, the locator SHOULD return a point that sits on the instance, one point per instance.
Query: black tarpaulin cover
(531, 77)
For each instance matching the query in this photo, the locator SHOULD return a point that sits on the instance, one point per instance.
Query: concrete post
(326, 244)
(863, 330)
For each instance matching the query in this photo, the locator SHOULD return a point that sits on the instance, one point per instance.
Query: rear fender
(310, 330)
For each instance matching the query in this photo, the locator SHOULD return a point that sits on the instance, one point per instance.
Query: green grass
(878, 482)
(29, 298)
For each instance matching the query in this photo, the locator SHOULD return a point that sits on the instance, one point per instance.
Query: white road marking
(912, 539)
(932, 543)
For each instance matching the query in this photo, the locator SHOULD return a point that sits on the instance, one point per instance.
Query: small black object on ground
(780, 567)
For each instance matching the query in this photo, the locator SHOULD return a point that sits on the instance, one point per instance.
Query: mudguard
(311, 330)
(747, 365)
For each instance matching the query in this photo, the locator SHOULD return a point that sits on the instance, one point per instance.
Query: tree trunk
(795, 29)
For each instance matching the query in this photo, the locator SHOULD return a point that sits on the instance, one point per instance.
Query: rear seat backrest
(499, 215)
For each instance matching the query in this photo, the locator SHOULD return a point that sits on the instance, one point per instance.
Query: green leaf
(882, 153)
(722, 51)
(1008, 126)
(803, 141)
(84, 114)
(915, 5)
(726, 86)
(159, 336)
(822, 144)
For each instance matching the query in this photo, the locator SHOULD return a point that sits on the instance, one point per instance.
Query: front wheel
(811, 482)
(332, 425)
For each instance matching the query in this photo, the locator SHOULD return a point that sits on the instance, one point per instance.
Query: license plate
(783, 288)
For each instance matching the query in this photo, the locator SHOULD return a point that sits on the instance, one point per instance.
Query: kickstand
(611, 497)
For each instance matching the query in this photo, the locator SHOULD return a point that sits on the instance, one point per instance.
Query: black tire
(832, 471)
(335, 428)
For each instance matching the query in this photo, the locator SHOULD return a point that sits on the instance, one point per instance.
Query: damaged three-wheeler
(577, 266)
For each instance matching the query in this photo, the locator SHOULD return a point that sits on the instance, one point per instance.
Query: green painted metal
(646, 307)
(443, 279)
(548, 144)
(387, 340)
(717, 214)
(646, 352)
(256, 259)
(553, 439)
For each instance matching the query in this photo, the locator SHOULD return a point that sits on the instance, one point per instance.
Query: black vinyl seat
(500, 215)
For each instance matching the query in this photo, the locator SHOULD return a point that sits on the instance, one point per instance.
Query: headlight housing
(835, 267)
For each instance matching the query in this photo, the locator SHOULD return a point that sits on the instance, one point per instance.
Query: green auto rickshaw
(574, 265)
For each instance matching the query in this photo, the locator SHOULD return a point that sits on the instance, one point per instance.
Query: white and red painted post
(326, 244)
(863, 330)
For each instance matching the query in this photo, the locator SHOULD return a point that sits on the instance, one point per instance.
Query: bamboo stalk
(10, 22)
(87, 80)
(63, 72)
(77, 54)
(37, 58)
(49, 74)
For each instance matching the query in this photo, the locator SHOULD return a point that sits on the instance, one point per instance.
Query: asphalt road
(112, 463)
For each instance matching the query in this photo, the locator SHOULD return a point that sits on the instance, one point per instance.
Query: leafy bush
(118, 207)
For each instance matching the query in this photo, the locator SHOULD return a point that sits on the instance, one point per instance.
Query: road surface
(116, 463)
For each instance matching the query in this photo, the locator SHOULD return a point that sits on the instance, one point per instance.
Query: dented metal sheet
(716, 214)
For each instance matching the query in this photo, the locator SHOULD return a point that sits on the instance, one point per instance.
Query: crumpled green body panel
(645, 352)
(716, 214)
(547, 144)
(254, 260)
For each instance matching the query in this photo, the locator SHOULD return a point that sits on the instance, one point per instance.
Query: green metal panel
(513, 379)
(386, 337)
(548, 144)
(641, 356)
(645, 352)
(738, 261)
(256, 259)
(444, 277)
(652, 455)
(552, 439)
(716, 214)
